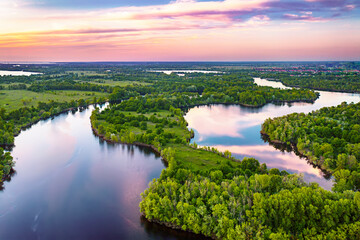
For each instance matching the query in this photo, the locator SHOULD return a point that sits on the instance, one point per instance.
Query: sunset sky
(182, 30)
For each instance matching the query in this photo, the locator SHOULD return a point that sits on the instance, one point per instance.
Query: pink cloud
(305, 18)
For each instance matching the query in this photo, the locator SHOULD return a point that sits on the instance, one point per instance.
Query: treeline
(12, 122)
(329, 137)
(67, 85)
(6, 164)
(338, 81)
(237, 88)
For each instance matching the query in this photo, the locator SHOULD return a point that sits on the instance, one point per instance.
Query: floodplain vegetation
(209, 192)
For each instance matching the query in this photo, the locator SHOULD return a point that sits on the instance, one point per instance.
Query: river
(183, 72)
(17, 73)
(237, 129)
(71, 185)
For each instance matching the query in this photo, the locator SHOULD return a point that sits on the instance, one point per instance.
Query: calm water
(183, 71)
(237, 129)
(70, 185)
(17, 73)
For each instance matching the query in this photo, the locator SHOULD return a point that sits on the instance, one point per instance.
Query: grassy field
(14, 99)
(197, 159)
(116, 83)
(87, 73)
(5, 85)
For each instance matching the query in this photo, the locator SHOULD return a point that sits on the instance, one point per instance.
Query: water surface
(71, 185)
(17, 73)
(237, 129)
(181, 72)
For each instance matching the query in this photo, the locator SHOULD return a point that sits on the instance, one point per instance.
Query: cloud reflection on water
(274, 158)
(237, 129)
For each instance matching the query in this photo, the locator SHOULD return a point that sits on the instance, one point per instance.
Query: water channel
(17, 73)
(237, 129)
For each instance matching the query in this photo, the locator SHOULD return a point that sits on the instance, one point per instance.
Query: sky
(181, 30)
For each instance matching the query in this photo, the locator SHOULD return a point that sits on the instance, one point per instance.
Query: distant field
(116, 83)
(5, 85)
(14, 99)
(87, 73)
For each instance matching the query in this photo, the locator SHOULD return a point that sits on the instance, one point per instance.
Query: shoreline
(29, 125)
(249, 105)
(313, 88)
(175, 227)
(294, 149)
(10, 146)
(140, 144)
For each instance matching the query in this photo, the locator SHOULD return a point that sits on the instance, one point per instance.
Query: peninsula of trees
(328, 137)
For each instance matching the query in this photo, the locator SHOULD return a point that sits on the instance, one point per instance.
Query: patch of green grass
(113, 83)
(197, 159)
(158, 114)
(6, 85)
(87, 73)
(14, 99)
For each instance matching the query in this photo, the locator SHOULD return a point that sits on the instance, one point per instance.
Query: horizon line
(184, 61)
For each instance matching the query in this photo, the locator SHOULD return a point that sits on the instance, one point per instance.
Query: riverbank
(293, 147)
(140, 144)
(17, 128)
(178, 228)
(251, 106)
(8, 146)
(313, 88)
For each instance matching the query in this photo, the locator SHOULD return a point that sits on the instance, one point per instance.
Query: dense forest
(329, 137)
